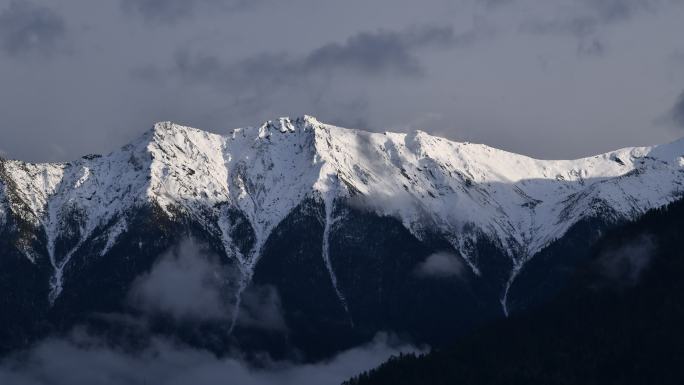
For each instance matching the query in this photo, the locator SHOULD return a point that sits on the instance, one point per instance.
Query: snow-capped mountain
(462, 190)
(463, 194)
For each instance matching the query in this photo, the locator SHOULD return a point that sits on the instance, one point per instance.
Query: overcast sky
(547, 78)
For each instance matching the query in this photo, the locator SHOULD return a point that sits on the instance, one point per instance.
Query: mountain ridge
(462, 192)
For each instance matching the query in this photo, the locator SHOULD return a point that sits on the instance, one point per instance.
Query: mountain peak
(463, 192)
(169, 130)
(288, 125)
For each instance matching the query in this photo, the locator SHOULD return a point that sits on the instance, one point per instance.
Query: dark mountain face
(617, 321)
(24, 302)
(549, 271)
(378, 266)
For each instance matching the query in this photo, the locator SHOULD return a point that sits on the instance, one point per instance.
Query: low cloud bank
(82, 359)
(186, 283)
(189, 283)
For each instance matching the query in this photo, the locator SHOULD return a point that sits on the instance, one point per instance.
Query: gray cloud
(580, 26)
(496, 3)
(677, 57)
(590, 15)
(623, 265)
(367, 53)
(28, 28)
(374, 53)
(186, 283)
(189, 283)
(172, 11)
(258, 82)
(591, 47)
(677, 112)
(207, 70)
(441, 265)
(618, 10)
(587, 19)
(82, 359)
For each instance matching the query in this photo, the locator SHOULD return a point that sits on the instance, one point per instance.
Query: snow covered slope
(461, 192)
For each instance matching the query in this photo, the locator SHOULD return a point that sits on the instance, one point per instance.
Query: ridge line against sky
(230, 133)
(549, 79)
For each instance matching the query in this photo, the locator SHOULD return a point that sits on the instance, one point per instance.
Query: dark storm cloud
(172, 11)
(83, 359)
(28, 28)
